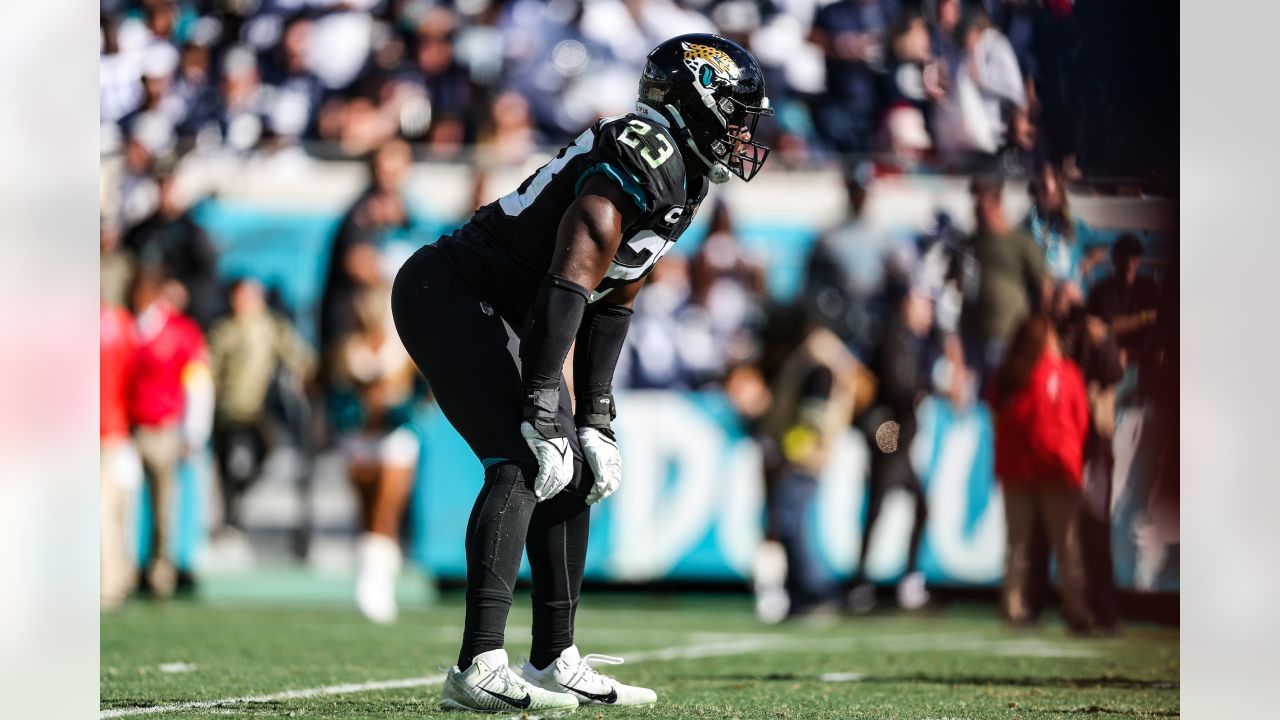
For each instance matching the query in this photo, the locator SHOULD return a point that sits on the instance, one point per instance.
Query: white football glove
(555, 461)
(601, 452)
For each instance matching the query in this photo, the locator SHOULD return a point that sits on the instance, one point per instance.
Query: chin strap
(716, 171)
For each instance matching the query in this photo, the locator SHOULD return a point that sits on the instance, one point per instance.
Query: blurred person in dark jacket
(1127, 301)
(813, 397)
(850, 34)
(890, 426)
(194, 88)
(446, 82)
(1041, 417)
(250, 351)
(1087, 342)
(944, 19)
(171, 239)
(115, 264)
(292, 106)
(1021, 152)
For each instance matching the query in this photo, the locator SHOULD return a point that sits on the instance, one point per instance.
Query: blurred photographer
(814, 393)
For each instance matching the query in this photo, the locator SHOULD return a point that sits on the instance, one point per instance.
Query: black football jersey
(504, 252)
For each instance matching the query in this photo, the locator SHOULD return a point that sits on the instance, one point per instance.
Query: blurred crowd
(1034, 318)
(925, 84)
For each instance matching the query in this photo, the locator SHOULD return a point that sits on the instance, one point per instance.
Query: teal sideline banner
(692, 500)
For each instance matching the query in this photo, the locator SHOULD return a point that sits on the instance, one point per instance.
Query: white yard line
(344, 689)
(675, 653)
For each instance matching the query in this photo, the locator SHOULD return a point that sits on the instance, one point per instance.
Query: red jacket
(167, 342)
(1040, 431)
(115, 369)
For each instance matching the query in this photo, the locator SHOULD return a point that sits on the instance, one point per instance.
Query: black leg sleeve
(557, 556)
(495, 542)
(557, 548)
(876, 490)
(921, 503)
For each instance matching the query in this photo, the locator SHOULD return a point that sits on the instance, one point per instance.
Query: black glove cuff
(597, 412)
(542, 410)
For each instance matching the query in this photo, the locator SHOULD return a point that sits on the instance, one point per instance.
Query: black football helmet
(712, 92)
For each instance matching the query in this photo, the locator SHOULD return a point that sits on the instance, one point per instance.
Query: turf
(956, 663)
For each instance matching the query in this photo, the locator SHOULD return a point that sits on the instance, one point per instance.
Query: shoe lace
(587, 672)
(508, 679)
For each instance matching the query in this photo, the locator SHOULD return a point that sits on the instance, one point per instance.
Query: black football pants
(460, 344)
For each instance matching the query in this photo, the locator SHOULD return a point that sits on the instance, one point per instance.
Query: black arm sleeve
(549, 331)
(594, 358)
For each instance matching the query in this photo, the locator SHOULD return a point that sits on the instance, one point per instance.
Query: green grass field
(706, 657)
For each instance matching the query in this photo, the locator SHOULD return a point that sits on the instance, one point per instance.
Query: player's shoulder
(647, 151)
(640, 124)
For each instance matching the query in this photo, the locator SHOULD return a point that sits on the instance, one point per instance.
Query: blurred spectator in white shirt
(119, 76)
(240, 119)
(969, 121)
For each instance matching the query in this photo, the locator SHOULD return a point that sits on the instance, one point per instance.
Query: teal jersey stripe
(624, 179)
(491, 461)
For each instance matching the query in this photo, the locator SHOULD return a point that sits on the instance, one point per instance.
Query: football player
(560, 259)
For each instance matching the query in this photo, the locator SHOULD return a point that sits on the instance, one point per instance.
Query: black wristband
(597, 412)
(541, 409)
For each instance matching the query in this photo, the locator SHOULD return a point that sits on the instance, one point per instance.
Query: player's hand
(555, 461)
(601, 452)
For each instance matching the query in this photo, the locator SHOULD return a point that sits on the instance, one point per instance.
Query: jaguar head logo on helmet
(712, 93)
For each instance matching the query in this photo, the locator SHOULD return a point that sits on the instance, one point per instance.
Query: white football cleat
(490, 686)
(572, 672)
(769, 577)
(379, 560)
(912, 594)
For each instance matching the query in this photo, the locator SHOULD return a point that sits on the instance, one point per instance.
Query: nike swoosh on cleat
(608, 699)
(522, 703)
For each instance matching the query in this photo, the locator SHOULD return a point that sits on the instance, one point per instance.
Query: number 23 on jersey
(630, 137)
